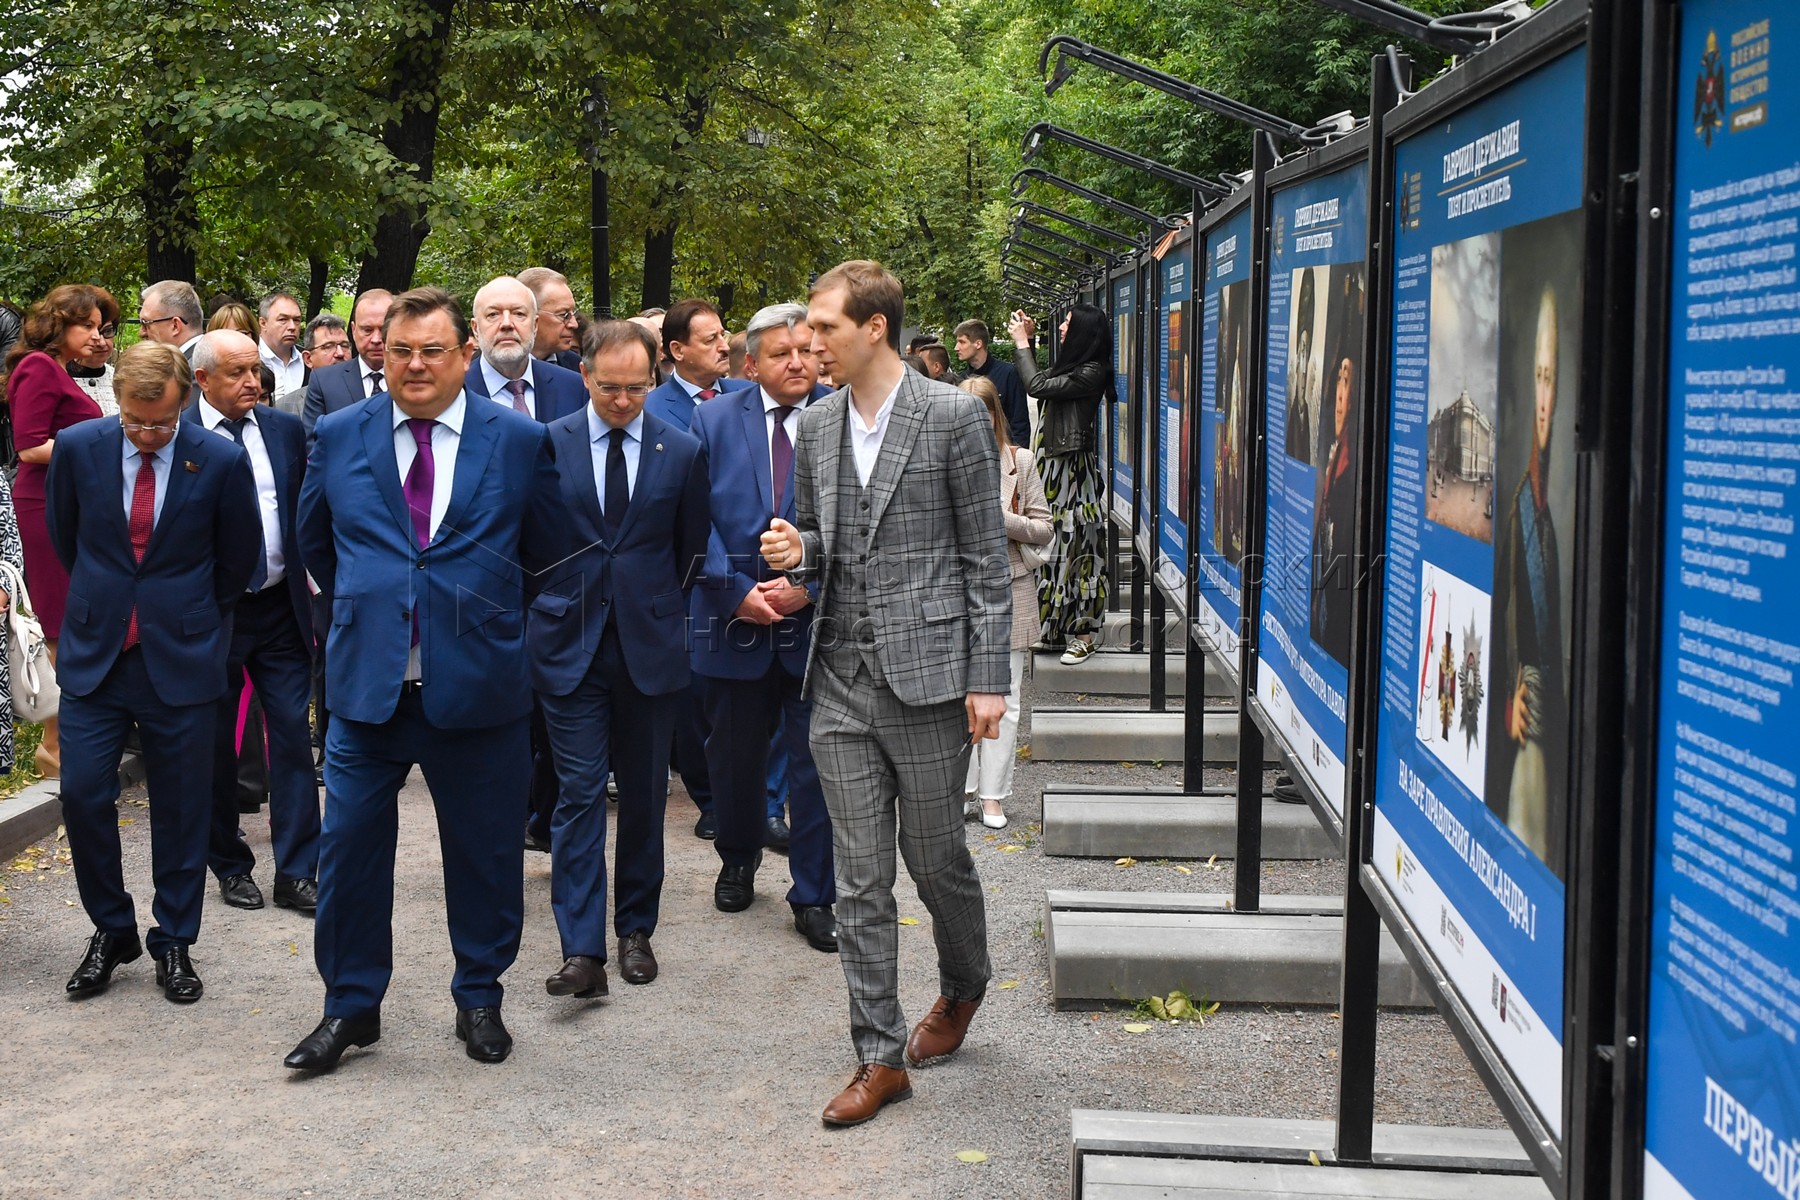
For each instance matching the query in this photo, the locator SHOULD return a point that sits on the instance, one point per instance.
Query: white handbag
(35, 695)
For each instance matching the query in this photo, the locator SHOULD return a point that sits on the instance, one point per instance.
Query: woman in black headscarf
(1072, 585)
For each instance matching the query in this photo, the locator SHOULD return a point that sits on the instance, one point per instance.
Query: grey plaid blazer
(938, 578)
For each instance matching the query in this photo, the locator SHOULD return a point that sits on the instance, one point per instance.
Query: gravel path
(707, 1083)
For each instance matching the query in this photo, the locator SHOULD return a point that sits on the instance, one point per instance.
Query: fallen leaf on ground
(1009, 985)
(1211, 862)
(970, 1156)
(1010, 847)
(293, 949)
(909, 920)
(1127, 861)
(1312, 1156)
(1183, 871)
(1136, 1027)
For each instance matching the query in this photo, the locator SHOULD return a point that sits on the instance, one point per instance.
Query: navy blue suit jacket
(197, 565)
(558, 392)
(642, 583)
(733, 433)
(671, 402)
(284, 436)
(332, 389)
(470, 585)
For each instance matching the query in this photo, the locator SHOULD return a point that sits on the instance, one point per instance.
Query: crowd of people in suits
(549, 562)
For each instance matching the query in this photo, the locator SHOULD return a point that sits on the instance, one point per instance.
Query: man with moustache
(428, 516)
(271, 636)
(896, 521)
(607, 642)
(156, 521)
(505, 371)
(751, 629)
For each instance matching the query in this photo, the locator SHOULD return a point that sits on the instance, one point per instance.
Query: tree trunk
(411, 137)
(171, 218)
(315, 285)
(659, 266)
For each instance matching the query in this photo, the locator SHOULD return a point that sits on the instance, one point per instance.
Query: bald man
(271, 637)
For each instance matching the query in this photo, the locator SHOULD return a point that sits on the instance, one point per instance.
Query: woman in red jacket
(74, 321)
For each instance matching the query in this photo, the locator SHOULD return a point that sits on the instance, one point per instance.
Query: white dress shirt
(446, 438)
(160, 462)
(496, 386)
(865, 440)
(288, 375)
(599, 444)
(693, 389)
(264, 470)
(770, 404)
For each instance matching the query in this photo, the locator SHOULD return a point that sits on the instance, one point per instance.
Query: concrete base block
(35, 812)
(1117, 673)
(1283, 955)
(1107, 825)
(1135, 1156)
(1115, 629)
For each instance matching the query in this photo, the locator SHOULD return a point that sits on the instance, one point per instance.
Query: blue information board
(1175, 325)
(1124, 414)
(1224, 445)
(1314, 354)
(1146, 406)
(1723, 1105)
(1471, 794)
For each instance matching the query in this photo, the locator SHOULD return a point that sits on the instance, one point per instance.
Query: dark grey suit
(914, 613)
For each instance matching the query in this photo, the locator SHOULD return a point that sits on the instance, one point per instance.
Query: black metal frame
(1028, 174)
(1022, 206)
(1555, 31)
(1044, 130)
(1021, 226)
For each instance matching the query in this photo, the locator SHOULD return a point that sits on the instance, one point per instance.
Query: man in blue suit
(506, 372)
(344, 384)
(693, 339)
(271, 636)
(156, 521)
(607, 644)
(425, 515)
(751, 629)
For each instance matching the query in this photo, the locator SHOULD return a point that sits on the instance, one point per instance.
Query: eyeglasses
(563, 316)
(147, 322)
(431, 356)
(129, 427)
(612, 391)
(328, 347)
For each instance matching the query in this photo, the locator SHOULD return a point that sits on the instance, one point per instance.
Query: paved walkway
(707, 1083)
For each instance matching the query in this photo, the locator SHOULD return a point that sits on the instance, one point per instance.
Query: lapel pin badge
(659, 445)
(190, 466)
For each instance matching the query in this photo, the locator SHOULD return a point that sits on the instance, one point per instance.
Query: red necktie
(708, 393)
(143, 521)
(517, 388)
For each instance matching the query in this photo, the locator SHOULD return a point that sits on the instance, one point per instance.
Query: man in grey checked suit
(898, 522)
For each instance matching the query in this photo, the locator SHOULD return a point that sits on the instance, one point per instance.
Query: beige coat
(1031, 525)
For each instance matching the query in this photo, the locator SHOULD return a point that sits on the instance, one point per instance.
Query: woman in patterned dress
(1072, 585)
(13, 552)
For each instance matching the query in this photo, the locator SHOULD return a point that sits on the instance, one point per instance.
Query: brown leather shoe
(942, 1030)
(581, 976)
(636, 963)
(872, 1086)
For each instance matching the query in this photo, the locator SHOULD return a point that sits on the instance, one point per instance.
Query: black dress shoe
(818, 924)
(321, 1049)
(249, 802)
(581, 976)
(301, 895)
(736, 886)
(240, 891)
(1286, 791)
(707, 827)
(175, 976)
(483, 1034)
(533, 842)
(776, 835)
(104, 952)
(636, 963)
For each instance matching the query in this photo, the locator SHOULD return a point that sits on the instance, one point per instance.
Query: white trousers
(991, 765)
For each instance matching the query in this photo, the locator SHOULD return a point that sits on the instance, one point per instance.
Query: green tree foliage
(746, 144)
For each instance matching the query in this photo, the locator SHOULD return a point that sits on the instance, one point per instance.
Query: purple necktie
(420, 481)
(781, 455)
(517, 388)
